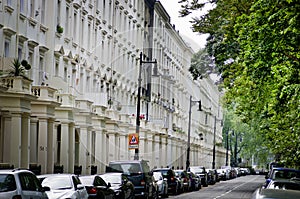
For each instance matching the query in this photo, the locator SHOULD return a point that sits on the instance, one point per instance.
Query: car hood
(276, 194)
(53, 194)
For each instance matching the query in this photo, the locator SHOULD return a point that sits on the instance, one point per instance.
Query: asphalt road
(238, 188)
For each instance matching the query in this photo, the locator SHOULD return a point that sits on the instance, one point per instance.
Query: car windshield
(127, 168)
(7, 183)
(196, 170)
(58, 182)
(112, 179)
(285, 174)
(157, 175)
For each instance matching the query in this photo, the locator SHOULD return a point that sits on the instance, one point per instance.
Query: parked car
(224, 174)
(200, 171)
(278, 173)
(180, 180)
(196, 181)
(138, 172)
(187, 182)
(162, 184)
(63, 186)
(122, 186)
(97, 187)
(173, 183)
(279, 189)
(211, 176)
(21, 183)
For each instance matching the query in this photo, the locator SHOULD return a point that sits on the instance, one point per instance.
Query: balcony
(17, 84)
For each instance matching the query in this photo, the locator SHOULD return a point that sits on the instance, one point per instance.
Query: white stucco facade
(78, 105)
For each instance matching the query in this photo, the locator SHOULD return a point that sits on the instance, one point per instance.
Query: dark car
(200, 171)
(138, 172)
(97, 187)
(173, 183)
(122, 186)
(211, 176)
(280, 173)
(196, 181)
(184, 176)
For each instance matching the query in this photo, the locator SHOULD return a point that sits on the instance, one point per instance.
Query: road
(238, 188)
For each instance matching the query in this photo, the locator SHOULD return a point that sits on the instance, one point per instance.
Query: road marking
(233, 189)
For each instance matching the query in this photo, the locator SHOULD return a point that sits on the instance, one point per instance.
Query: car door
(31, 186)
(79, 188)
(125, 184)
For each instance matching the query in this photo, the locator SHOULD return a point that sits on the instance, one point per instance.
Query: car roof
(160, 169)
(11, 171)
(128, 161)
(285, 169)
(55, 174)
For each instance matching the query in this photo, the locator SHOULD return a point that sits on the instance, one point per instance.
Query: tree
(255, 45)
(202, 65)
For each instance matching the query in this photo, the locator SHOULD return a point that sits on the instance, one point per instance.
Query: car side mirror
(266, 176)
(45, 189)
(80, 186)
(108, 185)
(150, 173)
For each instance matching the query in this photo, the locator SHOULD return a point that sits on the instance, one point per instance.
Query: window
(58, 143)
(29, 182)
(22, 6)
(31, 8)
(7, 183)
(67, 20)
(6, 49)
(43, 11)
(20, 52)
(58, 11)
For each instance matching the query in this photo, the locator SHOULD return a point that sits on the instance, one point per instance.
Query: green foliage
(19, 68)
(202, 65)
(255, 45)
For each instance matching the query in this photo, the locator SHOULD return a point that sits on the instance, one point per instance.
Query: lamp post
(214, 147)
(189, 131)
(138, 107)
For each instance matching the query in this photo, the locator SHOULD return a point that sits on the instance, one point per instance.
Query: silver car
(162, 184)
(63, 186)
(21, 183)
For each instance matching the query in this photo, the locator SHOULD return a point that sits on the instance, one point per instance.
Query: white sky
(182, 24)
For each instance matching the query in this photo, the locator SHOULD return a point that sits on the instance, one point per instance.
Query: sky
(182, 24)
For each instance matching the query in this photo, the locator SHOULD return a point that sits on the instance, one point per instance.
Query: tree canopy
(255, 46)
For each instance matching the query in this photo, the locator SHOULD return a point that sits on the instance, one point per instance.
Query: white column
(42, 144)
(156, 152)
(25, 141)
(123, 147)
(100, 154)
(83, 152)
(111, 147)
(64, 147)
(141, 145)
(33, 141)
(164, 151)
(71, 151)
(50, 146)
(14, 139)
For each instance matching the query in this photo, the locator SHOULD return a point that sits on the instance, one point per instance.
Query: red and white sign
(133, 141)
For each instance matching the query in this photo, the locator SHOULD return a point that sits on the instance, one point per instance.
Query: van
(138, 172)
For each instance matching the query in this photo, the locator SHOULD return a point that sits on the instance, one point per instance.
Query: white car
(21, 183)
(63, 186)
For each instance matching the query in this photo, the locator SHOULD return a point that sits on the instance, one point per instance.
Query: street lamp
(189, 131)
(137, 129)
